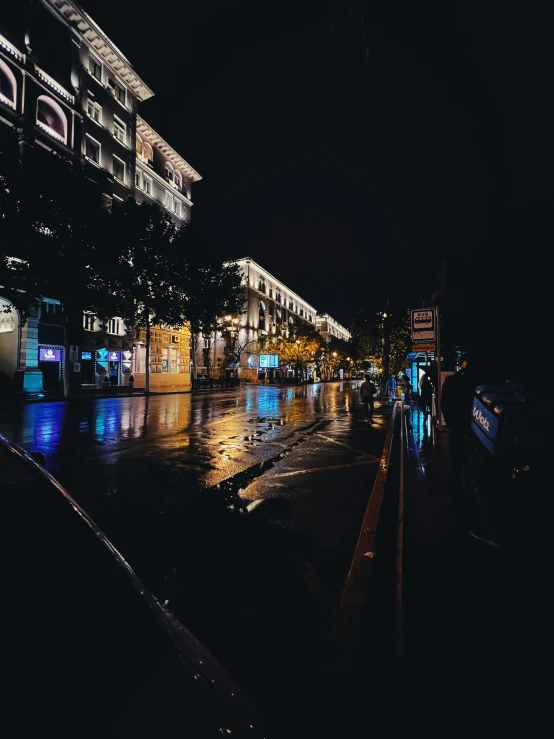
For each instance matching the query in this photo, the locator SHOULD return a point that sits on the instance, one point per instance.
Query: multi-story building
(163, 176)
(271, 308)
(66, 89)
(328, 327)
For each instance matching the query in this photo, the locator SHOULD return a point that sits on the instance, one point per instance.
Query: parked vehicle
(88, 650)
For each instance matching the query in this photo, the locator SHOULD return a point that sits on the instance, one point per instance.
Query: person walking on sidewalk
(426, 391)
(131, 384)
(367, 391)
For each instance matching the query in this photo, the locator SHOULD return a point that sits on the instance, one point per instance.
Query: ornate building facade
(67, 90)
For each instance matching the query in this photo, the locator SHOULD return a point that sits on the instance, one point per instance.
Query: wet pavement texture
(240, 508)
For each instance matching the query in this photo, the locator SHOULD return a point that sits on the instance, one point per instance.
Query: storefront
(51, 362)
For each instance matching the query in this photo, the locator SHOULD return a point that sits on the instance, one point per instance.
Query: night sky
(351, 181)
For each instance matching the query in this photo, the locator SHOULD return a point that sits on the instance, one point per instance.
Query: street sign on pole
(423, 348)
(423, 325)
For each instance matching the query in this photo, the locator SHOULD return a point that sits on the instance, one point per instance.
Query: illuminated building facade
(328, 327)
(67, 90)
(271, 308)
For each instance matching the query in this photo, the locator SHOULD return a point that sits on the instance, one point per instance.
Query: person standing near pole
(367, 391)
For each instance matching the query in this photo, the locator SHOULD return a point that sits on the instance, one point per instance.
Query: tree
(374, 335)
(302, 346)
(213, 289)
(53, 240)
(150, 272)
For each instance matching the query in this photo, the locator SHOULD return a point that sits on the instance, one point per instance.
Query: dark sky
(350, 181)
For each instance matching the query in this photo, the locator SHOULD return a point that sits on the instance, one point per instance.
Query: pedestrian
(107, 385)
(368, 391)
(407, 389)
(393, 386)
(426, 392)
(456, 401)
(131, 383)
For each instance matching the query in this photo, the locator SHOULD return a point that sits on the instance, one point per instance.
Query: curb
(347, 622)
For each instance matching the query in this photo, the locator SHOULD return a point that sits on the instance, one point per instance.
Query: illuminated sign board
(50, 355)
(269, 361)
(86, 355)
(114, 356)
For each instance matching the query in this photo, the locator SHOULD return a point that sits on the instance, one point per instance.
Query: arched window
(262, 315)
(8, 85)
(138, 145)
(169, 171)
(147, 153)
(178, 179)
(51, 118)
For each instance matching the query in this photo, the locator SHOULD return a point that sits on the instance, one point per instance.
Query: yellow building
(169, 360)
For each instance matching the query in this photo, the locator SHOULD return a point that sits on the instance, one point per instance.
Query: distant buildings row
(66, 89)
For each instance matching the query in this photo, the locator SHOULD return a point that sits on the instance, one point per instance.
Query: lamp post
(386, 344)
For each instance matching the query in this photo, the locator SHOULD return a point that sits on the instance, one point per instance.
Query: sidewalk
(460, 596)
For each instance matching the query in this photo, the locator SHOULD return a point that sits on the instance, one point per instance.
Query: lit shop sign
(269, 361)
(104, 356)
(50, 355)
(86, 355)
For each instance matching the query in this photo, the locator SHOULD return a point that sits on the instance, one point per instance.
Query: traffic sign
(423, 347)
(423, 325)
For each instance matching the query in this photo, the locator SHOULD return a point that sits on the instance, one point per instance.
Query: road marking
(375, 460)
(255, 503)
(346, 446)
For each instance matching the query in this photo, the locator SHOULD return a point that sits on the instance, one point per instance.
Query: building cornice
(143, 129)
(94, 37)
(151, 173)
(277, 282)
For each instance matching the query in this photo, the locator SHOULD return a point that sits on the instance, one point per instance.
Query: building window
(278, 297)
(118, 91)
(147, 153)
(147, 185)
(291, 306)
(169, 172)
(310, 318)
(178, 208)
(301, 312)
(51, 118)
(138, 180)
(8, 85)
(261, 285)
(169, 200)
(278, 317)
(270, 292)
(178, 180)
(95, 111)
(114, 326)
(88, 321)
(261, 323)
(271, 304)
(92, 150)
(119, 130)
(118, 169)
(95, 67)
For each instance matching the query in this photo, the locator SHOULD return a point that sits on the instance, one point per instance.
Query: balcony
(41, 74)
(11, 49)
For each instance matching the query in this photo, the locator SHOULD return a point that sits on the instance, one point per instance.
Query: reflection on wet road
(241, 508)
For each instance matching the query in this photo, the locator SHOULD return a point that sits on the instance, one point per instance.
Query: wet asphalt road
(241, 508)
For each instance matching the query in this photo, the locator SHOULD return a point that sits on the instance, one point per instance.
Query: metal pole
(438, 355)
